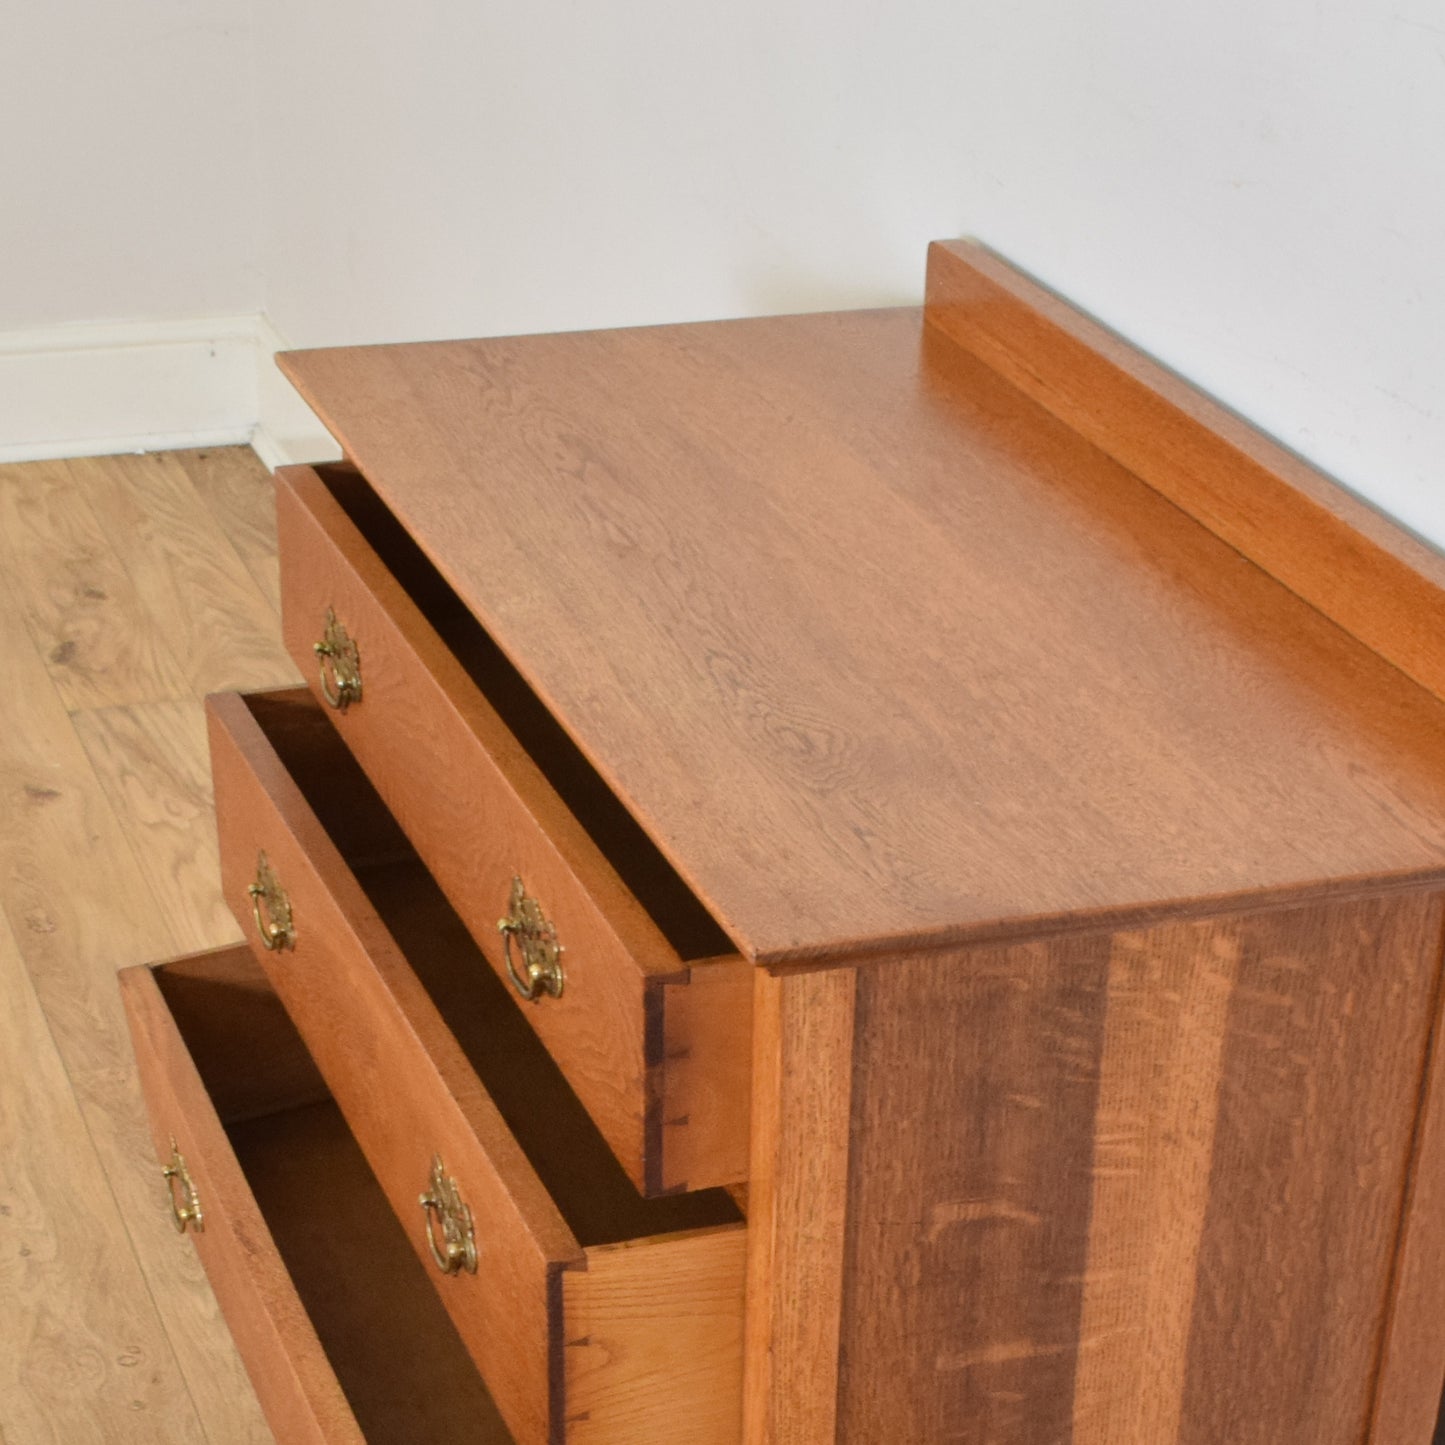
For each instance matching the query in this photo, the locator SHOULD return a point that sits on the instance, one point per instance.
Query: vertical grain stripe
(1168, 1003)
(802, 1102)
(1326, 1038)
(1412, 1353)
(970, 1184)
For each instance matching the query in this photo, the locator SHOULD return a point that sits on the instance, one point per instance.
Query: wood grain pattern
(480, 812)
(152, 762)
(83, 1355)
(1168, 996)
(1319, 1084)
(1335, 551)
(83, 610)
(80, 908)
(236, 487)
(216, 623)
(969, 1194)
(803, 1042)
(1412, 1360)
(704, 1113)
(670, 1376)
(59, 828)
(1154, 1194)
(297, 1387)
(827, 597)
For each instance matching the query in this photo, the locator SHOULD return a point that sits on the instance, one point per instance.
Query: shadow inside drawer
(656, 885)
(384, 1330)
(555, 1131)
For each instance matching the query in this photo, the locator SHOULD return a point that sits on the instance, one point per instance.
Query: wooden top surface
(876, 648)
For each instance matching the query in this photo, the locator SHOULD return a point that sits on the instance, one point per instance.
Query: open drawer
(341, 1332)
(647, 1008)
(593, 1313)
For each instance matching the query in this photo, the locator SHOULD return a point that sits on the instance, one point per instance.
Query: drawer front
(665, 1075)
(295, 1385)
(393, 1067)
(287, 1218)
(411, 1095)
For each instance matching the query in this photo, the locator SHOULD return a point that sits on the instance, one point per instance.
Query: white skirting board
(286, 428)
(87, 390)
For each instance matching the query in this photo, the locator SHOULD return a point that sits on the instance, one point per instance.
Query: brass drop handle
(185, 1202)
(339, 662)
(457, 1249)
(271, 908)
(537, 941)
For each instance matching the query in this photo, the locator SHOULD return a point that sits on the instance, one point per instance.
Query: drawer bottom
(399, 1361)
(341, 1331)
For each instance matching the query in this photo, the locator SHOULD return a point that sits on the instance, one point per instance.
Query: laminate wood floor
(130, 586)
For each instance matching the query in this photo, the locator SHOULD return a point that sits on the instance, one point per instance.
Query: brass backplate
(339, 659)
(186, 1210)
(271, 908)
(457, 1249)
(536, 941)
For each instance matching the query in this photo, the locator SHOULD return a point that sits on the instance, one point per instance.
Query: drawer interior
(564, 1146)
(656, 885)
(400, 1362)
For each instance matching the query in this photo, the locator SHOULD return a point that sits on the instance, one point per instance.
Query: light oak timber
(798, 1198)
(658, 1354)
(82, 609)
(338, 1354)
(1335, 551)
(1166, 1017)
(234, 484)
(57, 829)
(1408, 1389)
(669, 1376)
(83, 1354)
(1118, 1212)
(152, 761)
(704, 1113)
(477, 802)
(216, 623)
(821, 594)
(299, 1391)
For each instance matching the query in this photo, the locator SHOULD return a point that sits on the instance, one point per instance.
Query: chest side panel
(1135, 1188)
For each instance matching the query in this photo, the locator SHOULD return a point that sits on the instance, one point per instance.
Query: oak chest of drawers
(870, 877)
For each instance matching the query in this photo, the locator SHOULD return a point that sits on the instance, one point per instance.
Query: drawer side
(654, 1341)
(1134, 1186)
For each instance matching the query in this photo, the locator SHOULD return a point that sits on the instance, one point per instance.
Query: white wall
(128, 166)
(1254, 190)
(129, 231)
